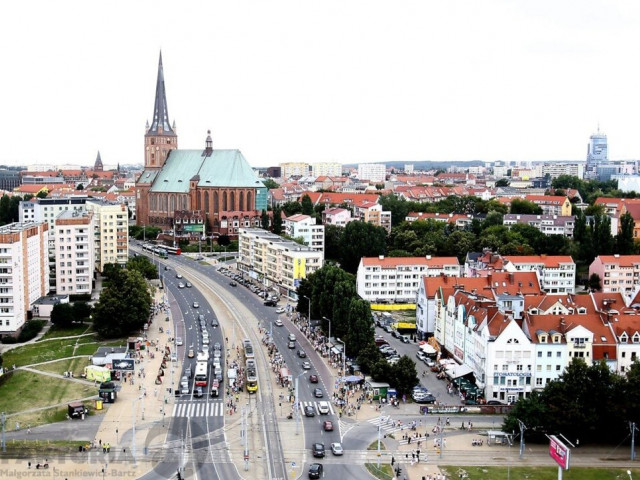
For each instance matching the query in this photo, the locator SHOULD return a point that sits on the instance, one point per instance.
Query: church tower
(160, 137)
(97, 166)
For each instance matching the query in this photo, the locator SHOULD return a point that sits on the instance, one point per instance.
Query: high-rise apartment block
(110, 233)
(304, 226)
(373, 172)
(597, 155)
(74, 253)
(326, 169)
(294, 169)
(24, 272)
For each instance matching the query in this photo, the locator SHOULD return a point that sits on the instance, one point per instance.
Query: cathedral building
(201, 183)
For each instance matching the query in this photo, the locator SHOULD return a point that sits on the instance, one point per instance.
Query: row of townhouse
(515, 342)
(618, 273)
(278, 263)
(547, 224)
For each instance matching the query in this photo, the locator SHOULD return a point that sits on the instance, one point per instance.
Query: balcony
(579, 345)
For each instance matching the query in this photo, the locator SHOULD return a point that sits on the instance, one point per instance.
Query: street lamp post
(297, 404)
(309, 318)
(328, 320)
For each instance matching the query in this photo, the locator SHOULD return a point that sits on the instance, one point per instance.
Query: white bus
(201, 374)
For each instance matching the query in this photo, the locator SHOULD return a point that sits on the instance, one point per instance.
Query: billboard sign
(127, 364)
(559, 452)
(194, 228)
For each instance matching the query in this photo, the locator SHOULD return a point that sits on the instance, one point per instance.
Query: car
(191, 353)
(420, 354)
(306, 365)
(196, 305)
(327, 425)
(205, 341)
(393, 360)
(280, 310)
(188, 372)
(336, 448)
(292, 337)
(292, 345)
(178, 275)
(174, 357)
(214, 322)
(123, 365)
(201, 317)
(430, 362)
(188, 285)
(313, 379)
(318, 450)
(388, 329)
(494, 402)
(315, 470)
(198, 392)
(405, 338)
(270, 303)
(166, 267)
(424, 398)
(317, 392)
(216, 346)
(395, 334)
(278, 323)
(184, 390)
(205, 347)
(178, 340)
(309, 411)
(302, 353)
(323, 408)
(181, 285)
(233, 284)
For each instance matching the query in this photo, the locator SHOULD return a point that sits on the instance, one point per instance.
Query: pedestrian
(29, 465)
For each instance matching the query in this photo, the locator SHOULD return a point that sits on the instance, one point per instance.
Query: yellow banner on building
(299, 268)
(395, 306)
(405, 326)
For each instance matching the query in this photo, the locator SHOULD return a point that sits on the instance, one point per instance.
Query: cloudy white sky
(346, 81)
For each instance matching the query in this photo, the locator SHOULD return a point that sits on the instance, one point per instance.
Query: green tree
(82, 311)
(79, 187)
(367, 356)
(332, 239)
(359, 240)
(264, 220)
(123, 308)
(270, 183)
(5, 209)
(360, 324)
(306, 205)
(42, 194)
(595, 283)
(224, 240)
(403, 375)
(398, 207)
(277, 220)
(292, 208)
(532, 411)
(143, 265)
(62, 315)
(624, 239)
(503, 182)
(524, 207)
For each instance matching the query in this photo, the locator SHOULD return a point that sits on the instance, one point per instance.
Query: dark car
(302, 354)
(313, 378)
(315, 470)
(233, 284)
(309, 411)
(494, 402)
(427, 398)
(318, 450)
(270, 303)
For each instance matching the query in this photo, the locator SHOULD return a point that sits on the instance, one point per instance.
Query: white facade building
(294, 169)
(373, 172)
(24, 272)
(397, 279)
(110, 234)
(74, 252)
(276, 261)
(557, 273)
(304, 226)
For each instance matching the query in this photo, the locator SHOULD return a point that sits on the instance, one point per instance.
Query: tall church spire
(160, 124)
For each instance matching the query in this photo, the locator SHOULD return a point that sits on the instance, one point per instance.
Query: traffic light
(393, 460)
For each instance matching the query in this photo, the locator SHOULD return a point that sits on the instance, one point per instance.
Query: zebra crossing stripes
(315, 407)
(386, 424)
(198, 409)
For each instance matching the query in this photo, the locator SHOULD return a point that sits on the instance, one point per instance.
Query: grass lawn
(56, 332)
(537, 473)
(75, 365)
(26, 390)
(385, 472)
(42, 448)
(374, 446)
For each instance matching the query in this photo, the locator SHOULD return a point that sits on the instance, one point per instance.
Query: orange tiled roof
(391, 262)
(550, 261)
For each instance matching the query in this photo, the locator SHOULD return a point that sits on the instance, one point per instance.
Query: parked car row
(270, 298)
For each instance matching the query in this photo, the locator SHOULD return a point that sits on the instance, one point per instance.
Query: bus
(201, 374)
(252, 376)
(248, 349)
(172, 250)
(155, 250)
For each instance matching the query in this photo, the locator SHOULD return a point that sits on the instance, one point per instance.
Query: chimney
(428, 257)
(511, 278)
(489, 279)
(380, 257)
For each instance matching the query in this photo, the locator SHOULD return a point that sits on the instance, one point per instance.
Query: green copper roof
(223, 168)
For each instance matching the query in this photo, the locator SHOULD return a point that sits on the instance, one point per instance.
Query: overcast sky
(346, 81)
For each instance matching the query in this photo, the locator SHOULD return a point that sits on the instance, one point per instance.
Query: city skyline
(350, 83)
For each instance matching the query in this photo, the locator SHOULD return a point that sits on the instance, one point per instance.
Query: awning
(335, 351)
(428, 349)
(457, 371)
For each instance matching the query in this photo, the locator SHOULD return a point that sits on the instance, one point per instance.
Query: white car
(280, 310)
(181, 285)
(336, 449)
(178, 340)
(278, 323)
(323, 408)
(196, 305)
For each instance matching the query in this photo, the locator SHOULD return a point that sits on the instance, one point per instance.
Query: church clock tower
(160, 137)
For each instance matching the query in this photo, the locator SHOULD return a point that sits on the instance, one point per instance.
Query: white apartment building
(74, 252)
(547, 224)
(373, 172)
(336, 216)
(294, 169)
(24, 272)
(326, 169)
(557, 273)
(397, 279)
(110, 233)
(304, 226)
(275, 261)
(48, 209)
(557, 169)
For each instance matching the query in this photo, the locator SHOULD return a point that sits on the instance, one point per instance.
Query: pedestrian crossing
(315, 407)
(386, 424)
(199, 409)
